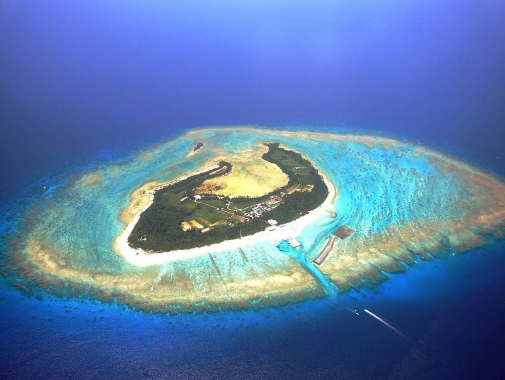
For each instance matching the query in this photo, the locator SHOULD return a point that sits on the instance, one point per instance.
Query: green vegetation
(215, 219)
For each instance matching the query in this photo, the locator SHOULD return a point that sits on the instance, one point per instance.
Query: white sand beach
(288, 231)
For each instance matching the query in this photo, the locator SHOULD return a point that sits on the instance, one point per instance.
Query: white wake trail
(394, 329)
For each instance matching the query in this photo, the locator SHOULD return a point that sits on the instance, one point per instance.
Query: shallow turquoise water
(372, 197)
(378, 188)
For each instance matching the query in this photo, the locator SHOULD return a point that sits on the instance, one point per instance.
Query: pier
(325, 252)
(343, 232)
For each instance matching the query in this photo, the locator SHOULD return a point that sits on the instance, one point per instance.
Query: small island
(197, 146)
(191, 213)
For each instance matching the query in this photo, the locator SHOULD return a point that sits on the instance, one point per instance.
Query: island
(198, 146)
(240, 224)
(191, 213)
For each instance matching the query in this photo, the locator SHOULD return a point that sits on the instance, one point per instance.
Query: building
(294, 243)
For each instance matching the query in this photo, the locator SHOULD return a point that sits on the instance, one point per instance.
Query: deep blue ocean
(85, 82)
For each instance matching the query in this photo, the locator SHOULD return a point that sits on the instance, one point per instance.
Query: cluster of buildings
(258, 210)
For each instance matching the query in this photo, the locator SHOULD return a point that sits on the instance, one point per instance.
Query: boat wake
(343, 307)
(417, 349)
(392, 328)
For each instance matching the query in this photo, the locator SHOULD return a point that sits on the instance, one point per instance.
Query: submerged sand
(290, 230)
(253, 272)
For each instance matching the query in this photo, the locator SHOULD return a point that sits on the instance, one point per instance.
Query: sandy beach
(251, 272)
(288, 231)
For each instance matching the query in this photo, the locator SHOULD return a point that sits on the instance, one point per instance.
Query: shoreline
(366, 138)
(177, 287)
(139, 257)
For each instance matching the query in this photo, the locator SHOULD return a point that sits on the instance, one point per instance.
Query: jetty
(325, 252)
(331, 212)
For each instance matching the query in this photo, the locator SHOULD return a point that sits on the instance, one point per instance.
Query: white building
(294, 243)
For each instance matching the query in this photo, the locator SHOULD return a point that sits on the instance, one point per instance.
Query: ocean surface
(88, 83)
